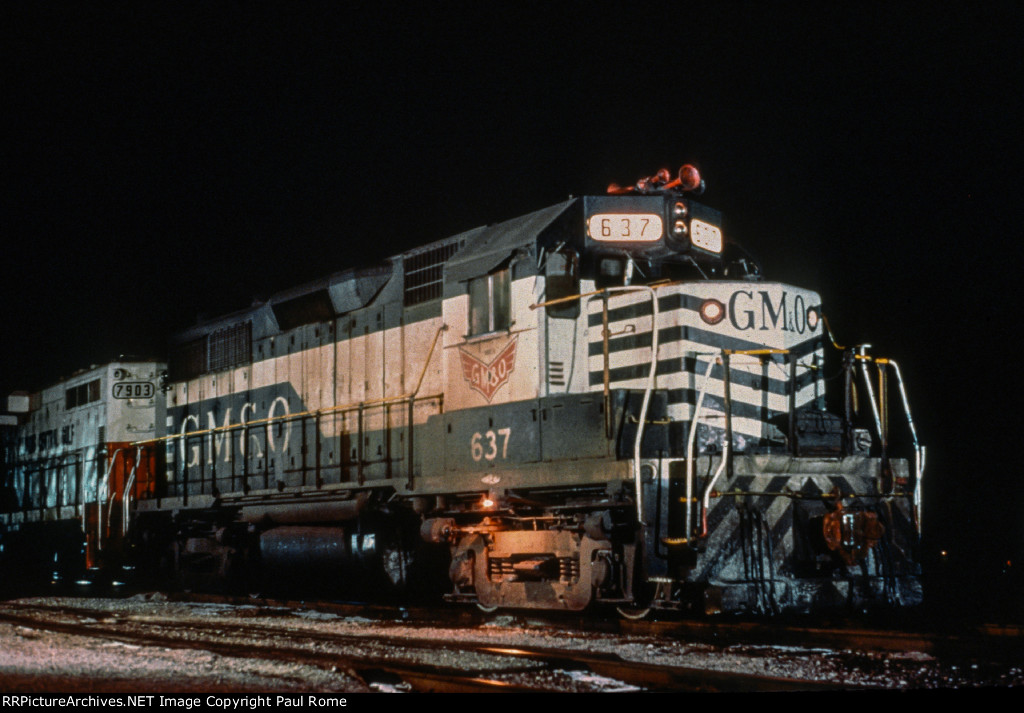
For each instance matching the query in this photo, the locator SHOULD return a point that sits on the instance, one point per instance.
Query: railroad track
(401, 663)
(987, 641)
(969, 640)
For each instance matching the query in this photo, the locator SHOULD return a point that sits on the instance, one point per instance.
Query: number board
(134, 390)
(624, 221)
(626, 227)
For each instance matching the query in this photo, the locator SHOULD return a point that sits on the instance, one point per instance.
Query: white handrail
(651, 375)
(689, 446)
(706, 498)
(126, 499)
(101, 499)
(81, 494)
(871, 392)
(643, 408)
(918, 448)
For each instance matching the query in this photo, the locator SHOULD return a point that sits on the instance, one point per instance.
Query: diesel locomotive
(601, 404)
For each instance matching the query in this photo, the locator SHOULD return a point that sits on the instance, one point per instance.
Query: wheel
(633, 613)
(642, 592)
(486, 609)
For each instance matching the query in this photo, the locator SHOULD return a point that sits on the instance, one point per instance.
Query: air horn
(688, 180)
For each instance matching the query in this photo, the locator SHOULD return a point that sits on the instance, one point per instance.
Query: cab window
(562, 279)
(489, 303)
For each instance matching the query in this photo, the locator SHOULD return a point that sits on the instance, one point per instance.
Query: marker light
(812, 318)
(679, 210)
(712, 311)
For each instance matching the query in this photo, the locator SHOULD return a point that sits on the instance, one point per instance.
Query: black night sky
(162, 162)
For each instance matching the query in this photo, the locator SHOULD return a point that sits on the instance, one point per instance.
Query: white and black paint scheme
(602, 403)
